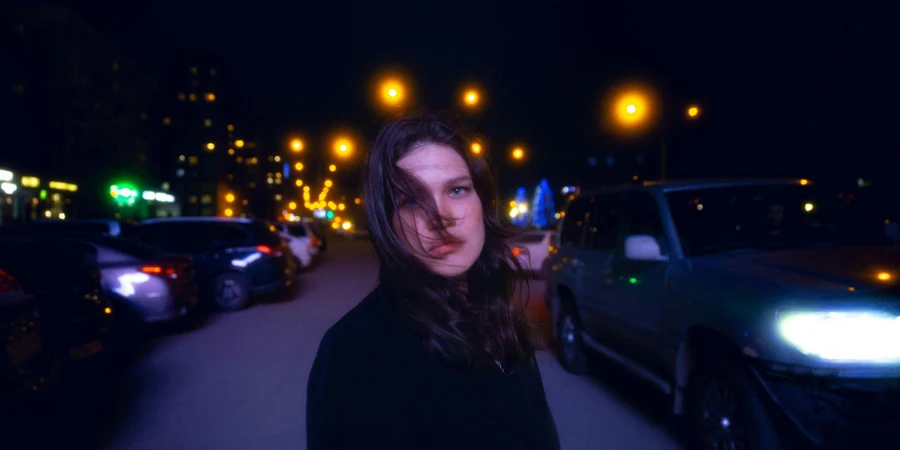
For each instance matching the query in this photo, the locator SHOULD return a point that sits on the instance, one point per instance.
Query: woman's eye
(457, 191)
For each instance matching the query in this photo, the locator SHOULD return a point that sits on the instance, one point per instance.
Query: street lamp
(471, 97)
(343, 146)
(392, 92)
(296, 145)
(332, 168)
(693, 111)
(518, 153)
(476, 148)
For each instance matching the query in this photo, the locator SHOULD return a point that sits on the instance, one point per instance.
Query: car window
(573, 226)
(641, 215)
(297, 230)
(229, 235)
(126, 246)
(603, 231)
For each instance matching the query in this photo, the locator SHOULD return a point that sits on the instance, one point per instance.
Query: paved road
(239, 381)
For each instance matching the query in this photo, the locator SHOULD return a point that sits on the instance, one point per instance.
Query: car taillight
(516, 251)
(168, 271)
(266, 250)
(314, 241)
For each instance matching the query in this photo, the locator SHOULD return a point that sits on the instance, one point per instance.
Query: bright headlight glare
(844, 336)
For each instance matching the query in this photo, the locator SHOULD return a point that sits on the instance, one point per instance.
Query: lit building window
(193, 199)
(167, 121)
(206, 199)
(230, 127)
(19, 89)
(182, 96)
(192, 160)
(231, 151)
(179, 173)
(210, 146)
(277, 158)
(181, 158)
(193, 97)
(239, 159)
(210, 97)
(207, 123)
(194, 70)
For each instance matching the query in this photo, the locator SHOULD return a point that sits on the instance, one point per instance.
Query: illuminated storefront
(136, 204)
(27, 197)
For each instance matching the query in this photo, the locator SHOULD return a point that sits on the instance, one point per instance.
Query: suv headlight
(844, 336)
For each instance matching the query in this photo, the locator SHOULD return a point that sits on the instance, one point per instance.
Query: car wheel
(231, 292)
(727, 412)
(570, 341)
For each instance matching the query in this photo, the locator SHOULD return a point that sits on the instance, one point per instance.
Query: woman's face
(446, 176)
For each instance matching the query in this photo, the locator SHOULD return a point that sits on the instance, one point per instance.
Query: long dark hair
(473, 322)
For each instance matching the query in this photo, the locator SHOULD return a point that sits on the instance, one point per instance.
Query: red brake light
(152, 269)
(8, 283)
(265, 249)
(159, 270)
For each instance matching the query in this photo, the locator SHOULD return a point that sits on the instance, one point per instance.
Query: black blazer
(373, 385)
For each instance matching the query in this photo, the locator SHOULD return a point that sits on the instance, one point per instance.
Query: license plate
(23, 348)
(86, 350)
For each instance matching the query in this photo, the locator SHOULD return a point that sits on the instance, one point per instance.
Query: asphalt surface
(238, 381)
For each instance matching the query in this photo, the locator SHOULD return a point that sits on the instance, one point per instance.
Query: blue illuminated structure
(521, 219)
(543, 208)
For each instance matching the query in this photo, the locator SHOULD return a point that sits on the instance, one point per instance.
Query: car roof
(689, 185)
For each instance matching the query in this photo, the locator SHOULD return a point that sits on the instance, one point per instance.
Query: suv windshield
(719, 219)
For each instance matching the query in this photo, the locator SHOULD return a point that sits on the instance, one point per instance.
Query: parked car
(304, 244)
(29, 372)
(233, 259)
(764, 310)
(532, 248)
(92, 226)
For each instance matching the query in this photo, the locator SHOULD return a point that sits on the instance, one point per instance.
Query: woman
(438, 356)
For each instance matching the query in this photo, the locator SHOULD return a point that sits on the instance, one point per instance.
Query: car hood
(843, 274)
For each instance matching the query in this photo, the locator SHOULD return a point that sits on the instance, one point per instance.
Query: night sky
(803, 90)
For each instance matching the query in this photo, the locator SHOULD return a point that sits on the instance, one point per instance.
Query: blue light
(287, 170)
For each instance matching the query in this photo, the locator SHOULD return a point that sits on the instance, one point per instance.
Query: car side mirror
(643, 247)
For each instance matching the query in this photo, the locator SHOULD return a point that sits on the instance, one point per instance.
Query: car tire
(231, 292)
(726, 410)
(570, 341)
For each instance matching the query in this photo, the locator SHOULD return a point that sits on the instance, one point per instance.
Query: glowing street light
(298, 166)
(693, 111)
(229, 197)
(296, 145)
(476, 148)
(471, 98)
(210, 146)
(298, 182)
(343, 147)
(239, 143)
(518, 153)
(328, 183)
(632, 109)
(332, 168)
(392, 92)
(292, 206)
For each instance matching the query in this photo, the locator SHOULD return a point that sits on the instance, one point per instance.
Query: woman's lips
(444, 248)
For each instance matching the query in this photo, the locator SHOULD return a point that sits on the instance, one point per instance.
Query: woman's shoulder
(367, 329)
